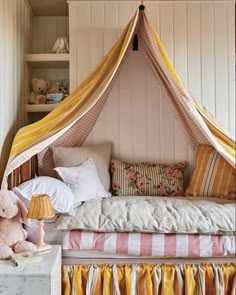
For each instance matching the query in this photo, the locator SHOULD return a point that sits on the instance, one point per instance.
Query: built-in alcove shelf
(48, 60)
(40, 108)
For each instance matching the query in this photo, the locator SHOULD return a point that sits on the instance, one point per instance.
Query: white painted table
(42, 278)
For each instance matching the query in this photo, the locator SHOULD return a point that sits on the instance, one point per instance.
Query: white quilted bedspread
(153, 214)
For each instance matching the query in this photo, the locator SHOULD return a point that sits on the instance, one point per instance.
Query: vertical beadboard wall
(46, 29)
(15, 36)
(199, 39)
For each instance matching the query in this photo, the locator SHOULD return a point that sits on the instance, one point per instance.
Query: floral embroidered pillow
(145, 179)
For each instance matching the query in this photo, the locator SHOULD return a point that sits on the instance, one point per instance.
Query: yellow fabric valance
(148, 279)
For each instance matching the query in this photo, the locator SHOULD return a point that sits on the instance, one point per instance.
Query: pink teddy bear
(12, 234)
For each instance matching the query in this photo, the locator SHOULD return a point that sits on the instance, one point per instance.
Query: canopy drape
(72, 120)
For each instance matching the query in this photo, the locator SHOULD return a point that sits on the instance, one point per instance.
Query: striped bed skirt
(149, 279)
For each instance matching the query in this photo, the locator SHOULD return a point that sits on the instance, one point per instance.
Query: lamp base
(41, 245)
(44, 247)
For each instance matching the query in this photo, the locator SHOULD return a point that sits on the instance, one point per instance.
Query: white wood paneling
(15, 36)
(73, 32)
(221, 63)
(194, 48)
(46, 30)
(208, 57)
(198, 37)
(231, 69)
(167, 121)
(110, 25)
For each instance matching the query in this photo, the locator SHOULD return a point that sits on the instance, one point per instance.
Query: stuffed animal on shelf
(12, 235)
(39, 91)
(61, 45)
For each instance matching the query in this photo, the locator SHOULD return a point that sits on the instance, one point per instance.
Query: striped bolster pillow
(212, 175)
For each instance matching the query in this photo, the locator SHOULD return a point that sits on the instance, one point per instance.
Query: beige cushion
(74, 156)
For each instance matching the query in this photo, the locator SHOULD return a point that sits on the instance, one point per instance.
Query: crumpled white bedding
(154, 215)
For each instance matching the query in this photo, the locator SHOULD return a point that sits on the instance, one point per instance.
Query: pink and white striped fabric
(158, 245)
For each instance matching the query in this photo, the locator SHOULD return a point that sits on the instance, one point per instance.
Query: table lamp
(41, 208)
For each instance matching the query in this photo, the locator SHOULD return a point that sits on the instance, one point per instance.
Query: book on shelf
(25, 258)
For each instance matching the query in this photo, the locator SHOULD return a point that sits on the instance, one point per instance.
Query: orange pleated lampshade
(40, 207)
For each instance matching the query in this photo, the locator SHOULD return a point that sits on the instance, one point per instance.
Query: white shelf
(48, 60)
(40, 108)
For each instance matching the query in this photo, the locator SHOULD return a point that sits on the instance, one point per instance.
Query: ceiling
(59, 7)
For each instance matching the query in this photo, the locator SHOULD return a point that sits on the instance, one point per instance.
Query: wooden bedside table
(37, 278)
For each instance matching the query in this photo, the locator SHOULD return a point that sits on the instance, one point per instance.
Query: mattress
(152, 245)
(153, 215)
(98, 257)
(215, 238)
(116, 245)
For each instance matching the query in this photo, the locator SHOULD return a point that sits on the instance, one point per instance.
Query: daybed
(155, 247)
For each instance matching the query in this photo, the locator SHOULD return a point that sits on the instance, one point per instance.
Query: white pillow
(61, 196)
(83, 180)
(75, 156)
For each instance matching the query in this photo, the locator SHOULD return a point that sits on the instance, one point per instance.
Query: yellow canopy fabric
(79, 101)
(86, 102)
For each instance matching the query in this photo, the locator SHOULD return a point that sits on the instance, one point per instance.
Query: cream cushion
(74, 156)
